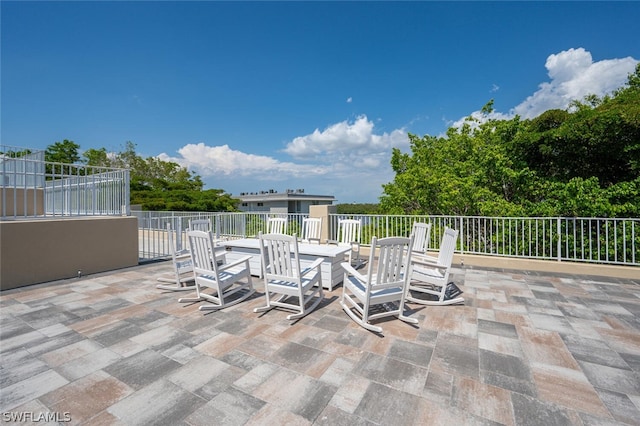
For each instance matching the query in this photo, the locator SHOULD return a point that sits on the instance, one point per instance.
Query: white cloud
(224, 161)
(349, 99)
(345, 138)
(574, 75)
(342, 149)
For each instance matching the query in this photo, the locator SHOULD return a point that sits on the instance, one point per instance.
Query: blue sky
(276, 95)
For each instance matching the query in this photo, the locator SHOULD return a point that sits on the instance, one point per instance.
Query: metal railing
(592, 240)
(152, 227)
(32, 187)
(589, 240)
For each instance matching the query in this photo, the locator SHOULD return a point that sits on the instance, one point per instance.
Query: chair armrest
(424, 259)
(235, 263)
(183, 253)
(332, 241)
(352, 271)
(316, 264)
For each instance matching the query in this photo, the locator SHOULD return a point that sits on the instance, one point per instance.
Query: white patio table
(332, 273)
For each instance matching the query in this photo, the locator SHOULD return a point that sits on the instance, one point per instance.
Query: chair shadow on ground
(326, 301)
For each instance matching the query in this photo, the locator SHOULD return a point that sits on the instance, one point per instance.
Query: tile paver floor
(526, 348)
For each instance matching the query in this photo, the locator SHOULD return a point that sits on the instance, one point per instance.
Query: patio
(526, 348)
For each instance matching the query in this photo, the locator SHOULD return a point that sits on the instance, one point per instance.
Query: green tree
(96, 157)
(357, 208)
(580, 162)
(465, 173)
(63, 152)
(16, 154)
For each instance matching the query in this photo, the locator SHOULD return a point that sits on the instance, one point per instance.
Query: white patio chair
(311, 230)
(421, 232)
(206, 226)
(286, 285)
(430, 275)
(200, 225)
(223, 279)
(276, 225)
(182, 274)
(381, 291)
(349, 235)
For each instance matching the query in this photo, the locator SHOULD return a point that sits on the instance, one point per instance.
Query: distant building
(290, 201)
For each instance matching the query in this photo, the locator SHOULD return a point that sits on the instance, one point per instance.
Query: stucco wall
(41, 250)
(323, 212)
(22, 202)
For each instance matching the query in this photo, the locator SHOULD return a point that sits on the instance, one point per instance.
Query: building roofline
(290, 194)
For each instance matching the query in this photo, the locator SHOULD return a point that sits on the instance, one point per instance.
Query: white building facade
(289, 201)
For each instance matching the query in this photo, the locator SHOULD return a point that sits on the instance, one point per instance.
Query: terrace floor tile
(525, 348)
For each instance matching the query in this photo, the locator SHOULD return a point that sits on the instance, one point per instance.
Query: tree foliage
(62, 152)
(357, 208)
(581, 162)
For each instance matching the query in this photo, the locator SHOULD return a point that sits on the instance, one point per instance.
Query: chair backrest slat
(312, 229)
(447, 246)
(282, 258)
(349, 231)
(422, 233)
(394, 254)
(200, 225)
(276, 225)
(202, 251)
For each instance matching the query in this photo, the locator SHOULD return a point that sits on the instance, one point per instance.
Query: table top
(323, 250)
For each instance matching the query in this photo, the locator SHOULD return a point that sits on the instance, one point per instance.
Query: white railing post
(559, 236)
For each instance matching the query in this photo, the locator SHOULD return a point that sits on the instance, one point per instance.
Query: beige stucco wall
(22, 202)
(41, 250)
(323, 212)
(574, 268)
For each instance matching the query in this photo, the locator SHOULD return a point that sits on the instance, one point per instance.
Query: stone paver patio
(526, 348)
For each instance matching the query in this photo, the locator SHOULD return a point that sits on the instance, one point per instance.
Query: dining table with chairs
(333, 255)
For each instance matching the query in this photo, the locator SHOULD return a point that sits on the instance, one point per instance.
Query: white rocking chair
(283, 276)
(349, 235)
(200, 225)
(430, 275)
(381, 292)
(206, 226)
(311, 230)
(181, 278)
(224, 279)
(276, 225)
(421, 232)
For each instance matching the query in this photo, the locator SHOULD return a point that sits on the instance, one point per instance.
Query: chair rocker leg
(174, 287)
(407, 319)
(263, 308)
(305, 311)
(269, 304)
(297, 316)
(359, 320)
(223, 304)
(183, 284)
(266, 307)
(441, 299)
(443, 302)
(439, 302)
(191, 299)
